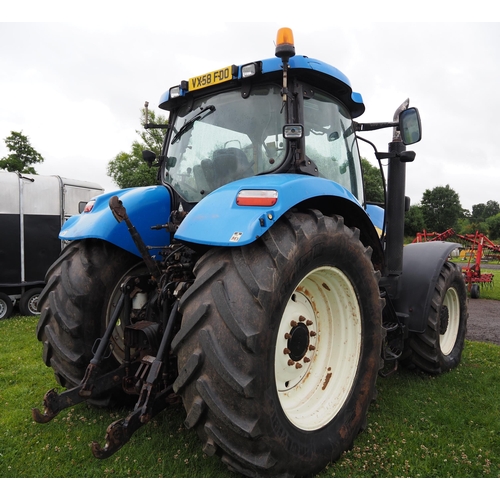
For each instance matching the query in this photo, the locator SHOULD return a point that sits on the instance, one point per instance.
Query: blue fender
(146, 207)
(422, 264)
(376, 215)
(218, 221)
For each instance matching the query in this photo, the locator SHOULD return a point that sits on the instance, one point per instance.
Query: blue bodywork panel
(218, 221)
(376, 215)
(146, 207)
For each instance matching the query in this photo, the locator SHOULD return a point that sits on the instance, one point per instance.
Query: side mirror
(149, 157)
(410, 126)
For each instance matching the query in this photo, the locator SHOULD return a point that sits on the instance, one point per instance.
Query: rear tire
(474, 291)
(440, 348)
(279, 348)
(73, 305)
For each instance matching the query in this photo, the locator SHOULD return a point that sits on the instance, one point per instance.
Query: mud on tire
(297, 312)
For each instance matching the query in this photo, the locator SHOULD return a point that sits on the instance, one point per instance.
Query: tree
(441, 208)
(414, 221)
(477, 220)
(22, 155)
(481, 211)
(129, 169)
(494, 226)
(374, 186)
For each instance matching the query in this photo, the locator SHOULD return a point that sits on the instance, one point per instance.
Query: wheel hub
(298, 343)
(444, 318)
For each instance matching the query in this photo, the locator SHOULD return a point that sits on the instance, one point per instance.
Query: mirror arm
(404, 156)
(364, 127)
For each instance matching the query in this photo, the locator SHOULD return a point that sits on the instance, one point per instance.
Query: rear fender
(146, 207)
(422, 264)
(217, 220)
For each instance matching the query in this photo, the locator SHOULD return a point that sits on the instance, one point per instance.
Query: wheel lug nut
(286, 350)
(309, 322)
(293, 323)
(311, 348)
(291, 362)
(301, 318)
(312, 334)
(298, 365)
(306, 360)
(288, 336)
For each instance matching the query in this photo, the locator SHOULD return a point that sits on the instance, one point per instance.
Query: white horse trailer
(32, 210)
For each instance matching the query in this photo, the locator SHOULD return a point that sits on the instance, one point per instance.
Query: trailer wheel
(279, 347)
(474, 291)
(74, 305)
(28, 304)
(440, 348)
(6, 306)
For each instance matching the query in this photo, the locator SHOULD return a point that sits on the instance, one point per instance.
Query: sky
(74, 79)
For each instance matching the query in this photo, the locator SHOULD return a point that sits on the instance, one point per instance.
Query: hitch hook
(53, 402)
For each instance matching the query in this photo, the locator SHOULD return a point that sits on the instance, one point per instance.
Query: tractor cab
(289, 114)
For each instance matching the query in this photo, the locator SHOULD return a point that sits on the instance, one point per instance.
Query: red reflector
(89, 206)
(257, 198)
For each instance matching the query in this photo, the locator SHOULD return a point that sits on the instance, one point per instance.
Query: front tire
(74, 303)
(440, 347)
(279, 348)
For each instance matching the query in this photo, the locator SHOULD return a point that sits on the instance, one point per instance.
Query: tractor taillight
(257, 197)
(89, 206)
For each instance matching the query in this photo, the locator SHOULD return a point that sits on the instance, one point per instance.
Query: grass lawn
(420, 426)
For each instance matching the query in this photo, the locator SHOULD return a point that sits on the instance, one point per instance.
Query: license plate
(212, 78)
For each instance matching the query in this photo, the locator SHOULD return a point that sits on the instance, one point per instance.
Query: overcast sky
(76, 88)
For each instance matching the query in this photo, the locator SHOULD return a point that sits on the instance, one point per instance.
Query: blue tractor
(255, 283)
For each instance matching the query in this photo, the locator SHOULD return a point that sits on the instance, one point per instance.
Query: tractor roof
(312, 71)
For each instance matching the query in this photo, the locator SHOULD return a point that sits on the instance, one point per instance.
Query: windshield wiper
(189, 124)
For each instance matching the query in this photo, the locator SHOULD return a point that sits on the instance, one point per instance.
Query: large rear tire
(75, 303)
(279, 348)
(440, 348)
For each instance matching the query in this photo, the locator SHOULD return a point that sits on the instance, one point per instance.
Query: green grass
(420, 426)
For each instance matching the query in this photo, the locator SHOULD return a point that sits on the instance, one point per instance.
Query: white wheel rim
(325, 309)
(448, 337)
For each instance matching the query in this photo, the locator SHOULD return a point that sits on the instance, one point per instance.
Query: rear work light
(248, 70)
(257, 198)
